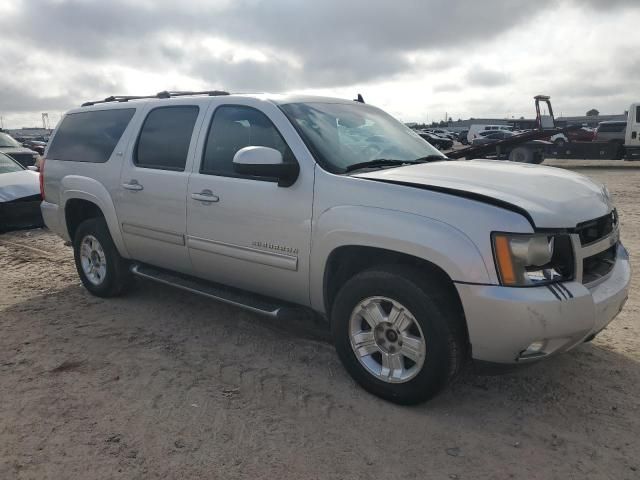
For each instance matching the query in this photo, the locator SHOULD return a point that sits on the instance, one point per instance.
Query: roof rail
(163, 94)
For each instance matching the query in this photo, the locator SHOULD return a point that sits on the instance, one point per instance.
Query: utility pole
(45, 121)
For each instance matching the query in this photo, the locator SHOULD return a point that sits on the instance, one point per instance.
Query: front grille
(598, 265)
(593, 230)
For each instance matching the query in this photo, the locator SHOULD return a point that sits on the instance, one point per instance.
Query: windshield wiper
(379, 162)
(432, 158)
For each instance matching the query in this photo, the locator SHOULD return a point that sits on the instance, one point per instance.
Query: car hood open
(16, 185)
(549, 197)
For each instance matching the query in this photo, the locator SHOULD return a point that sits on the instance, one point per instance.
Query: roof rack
(164, 94)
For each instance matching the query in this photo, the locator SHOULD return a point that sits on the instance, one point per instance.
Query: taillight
(42, 178)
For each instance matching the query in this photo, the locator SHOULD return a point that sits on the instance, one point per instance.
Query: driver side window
(232, 128)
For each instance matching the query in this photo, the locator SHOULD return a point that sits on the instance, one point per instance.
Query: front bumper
(18, 214)
(503, 322)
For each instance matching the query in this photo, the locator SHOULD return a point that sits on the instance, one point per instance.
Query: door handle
(205, 196)
(132, 185)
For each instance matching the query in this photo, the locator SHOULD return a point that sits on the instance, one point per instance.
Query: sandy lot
(163, 384)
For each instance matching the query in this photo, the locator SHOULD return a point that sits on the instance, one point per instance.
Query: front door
(151, 199)
(245, 231)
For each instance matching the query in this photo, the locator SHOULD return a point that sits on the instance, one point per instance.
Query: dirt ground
(164, 384)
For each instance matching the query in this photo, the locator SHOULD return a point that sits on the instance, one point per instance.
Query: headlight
(529, 260)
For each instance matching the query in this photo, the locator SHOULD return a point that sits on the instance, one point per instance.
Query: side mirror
(33, 168)
(265, 162)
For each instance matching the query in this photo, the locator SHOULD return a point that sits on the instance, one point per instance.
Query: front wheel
(396, 334)
(101, 268)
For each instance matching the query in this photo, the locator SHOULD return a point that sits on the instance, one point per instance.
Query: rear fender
(78, 187)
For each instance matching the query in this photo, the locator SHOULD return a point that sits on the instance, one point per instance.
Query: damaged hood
(16, 185)
(550, 197)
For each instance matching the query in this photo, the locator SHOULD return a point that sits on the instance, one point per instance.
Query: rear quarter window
(89, 136)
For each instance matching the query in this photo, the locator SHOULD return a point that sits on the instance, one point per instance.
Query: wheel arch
(353, 237)
(84, 198)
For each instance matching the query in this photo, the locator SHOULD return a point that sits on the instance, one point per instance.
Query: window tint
(165, 137)
(234, 127)
(89, 136)
(612, 127)
(637, 114)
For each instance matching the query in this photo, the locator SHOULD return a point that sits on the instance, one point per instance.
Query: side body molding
(76, 186)
(425, 238)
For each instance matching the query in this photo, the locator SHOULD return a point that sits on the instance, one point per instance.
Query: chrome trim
(601, 245)
(582, 252)
(254, 255)
(134, 269)
(153, 233)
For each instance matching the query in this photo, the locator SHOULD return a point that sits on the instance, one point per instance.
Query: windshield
(7, 141)
(341, 135)
(7, 165)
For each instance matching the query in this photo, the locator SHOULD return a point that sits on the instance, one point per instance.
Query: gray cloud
(486, 77)
(327, 44)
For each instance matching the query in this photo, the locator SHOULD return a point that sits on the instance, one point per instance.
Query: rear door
(151, 197)
(251, 234)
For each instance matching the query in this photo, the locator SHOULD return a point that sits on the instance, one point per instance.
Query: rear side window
(637, 114)
(164, 140)
(612, 127)
(89, 136)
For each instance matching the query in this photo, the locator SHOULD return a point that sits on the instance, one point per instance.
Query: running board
(232, 296)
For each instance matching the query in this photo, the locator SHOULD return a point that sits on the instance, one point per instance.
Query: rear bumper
(503, 322)
(51, 215)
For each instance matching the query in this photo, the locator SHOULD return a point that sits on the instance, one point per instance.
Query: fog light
(536, 349)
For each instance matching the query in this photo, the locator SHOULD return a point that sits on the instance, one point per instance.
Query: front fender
(411, 234)
(84, 188)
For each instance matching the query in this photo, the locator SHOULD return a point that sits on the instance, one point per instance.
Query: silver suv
(282, 203)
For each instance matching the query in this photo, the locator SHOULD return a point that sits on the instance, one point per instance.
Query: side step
(232, 296)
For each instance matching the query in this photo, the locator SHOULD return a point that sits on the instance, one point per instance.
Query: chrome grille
(594, 230)
(598, 265)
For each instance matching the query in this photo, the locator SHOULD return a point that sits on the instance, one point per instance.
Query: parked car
(35, 145)
(579, 135)
(19, 196)
(462, 137)
(475, 129)
(441, 143)
(279, 203)
(442, 133)
(491, 136)
(612, 131)
(9, 146)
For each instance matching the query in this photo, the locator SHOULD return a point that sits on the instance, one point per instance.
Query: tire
(111, 277)
(560, 142)
(521, 155)
(433, 315)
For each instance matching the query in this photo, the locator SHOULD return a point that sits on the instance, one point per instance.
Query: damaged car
(19, 196)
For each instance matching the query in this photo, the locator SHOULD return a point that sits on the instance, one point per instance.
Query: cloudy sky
(418, 59)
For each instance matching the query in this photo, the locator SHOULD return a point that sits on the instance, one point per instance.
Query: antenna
(359, 99)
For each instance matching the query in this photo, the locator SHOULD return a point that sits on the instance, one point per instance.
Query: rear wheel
(397, 334)
(101, 268)
(521, 155)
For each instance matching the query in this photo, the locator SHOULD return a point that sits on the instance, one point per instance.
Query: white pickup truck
(273, 203)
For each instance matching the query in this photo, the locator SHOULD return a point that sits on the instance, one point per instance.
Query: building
(29, 132)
